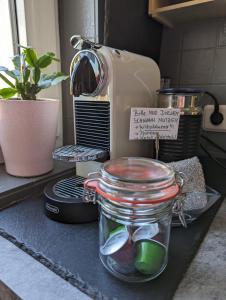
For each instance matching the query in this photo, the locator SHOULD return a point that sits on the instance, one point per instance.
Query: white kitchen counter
(31, 280)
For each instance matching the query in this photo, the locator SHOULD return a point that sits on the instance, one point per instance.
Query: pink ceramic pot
(1, 155)
(28, 135)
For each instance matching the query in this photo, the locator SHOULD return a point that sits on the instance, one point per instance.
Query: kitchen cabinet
(173, 12)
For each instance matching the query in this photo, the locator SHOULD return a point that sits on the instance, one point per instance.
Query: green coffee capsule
(150, 257)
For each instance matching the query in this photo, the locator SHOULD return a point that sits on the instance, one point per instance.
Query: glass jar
(136, 197)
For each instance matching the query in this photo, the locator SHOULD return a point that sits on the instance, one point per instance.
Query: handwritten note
(146, 123)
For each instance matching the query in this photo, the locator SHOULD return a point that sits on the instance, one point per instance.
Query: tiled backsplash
(194, 55)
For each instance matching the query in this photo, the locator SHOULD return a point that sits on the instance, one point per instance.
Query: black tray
(191, 215)
(72, 251)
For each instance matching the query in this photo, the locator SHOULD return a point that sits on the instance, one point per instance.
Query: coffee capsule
(150, 257)
(117, 229)
(146, 232)
(117, 239)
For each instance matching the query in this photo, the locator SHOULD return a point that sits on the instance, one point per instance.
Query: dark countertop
(215, 177)
(13, 189)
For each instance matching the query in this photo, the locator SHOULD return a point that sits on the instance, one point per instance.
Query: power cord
(216, 117)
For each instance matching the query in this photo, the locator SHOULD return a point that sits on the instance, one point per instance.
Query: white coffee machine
(105, 84)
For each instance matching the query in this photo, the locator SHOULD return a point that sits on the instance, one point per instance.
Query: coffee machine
(105, 84)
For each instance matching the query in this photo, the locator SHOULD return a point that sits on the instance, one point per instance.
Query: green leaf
(3, 69)
(47, 77)
(30, 57)
(51, 76)
(26, 74)
(56, 59)
(59, 79)
(36, 75)
(7, 93)
(44, 61)
(19, 87)
(15, 74)
(53, 56)
(50, 54)
(7, 80)
(51, 80)
(44, 84)
(27, 87)
(17, 61)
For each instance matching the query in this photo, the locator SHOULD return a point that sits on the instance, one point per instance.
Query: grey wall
(75, 17)
(128, 26)
(194, 55)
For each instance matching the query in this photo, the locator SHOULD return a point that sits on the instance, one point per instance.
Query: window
(37, 27)
(8, 42)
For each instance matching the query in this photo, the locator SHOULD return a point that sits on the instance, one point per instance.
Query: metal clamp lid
(135, 181)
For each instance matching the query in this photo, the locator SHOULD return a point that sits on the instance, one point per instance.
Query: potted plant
(28, 124)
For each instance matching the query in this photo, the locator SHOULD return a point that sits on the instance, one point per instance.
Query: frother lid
(180, 91)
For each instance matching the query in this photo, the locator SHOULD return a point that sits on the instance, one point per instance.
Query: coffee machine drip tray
(64, 202)
(69, 188)
(76, 153)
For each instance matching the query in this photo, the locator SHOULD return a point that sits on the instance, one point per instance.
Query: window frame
(39, 28)
(14, 25)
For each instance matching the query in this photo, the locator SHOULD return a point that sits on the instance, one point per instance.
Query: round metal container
(187, 100)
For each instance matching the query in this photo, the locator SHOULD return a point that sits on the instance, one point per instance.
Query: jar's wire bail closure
(178, 207)
(90, 194)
